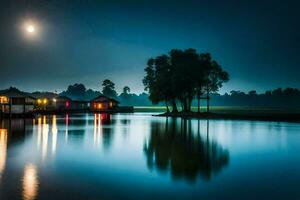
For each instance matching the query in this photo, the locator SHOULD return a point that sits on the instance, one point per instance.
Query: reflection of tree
(186, 155)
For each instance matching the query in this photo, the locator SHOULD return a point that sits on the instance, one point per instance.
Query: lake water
(138, 156)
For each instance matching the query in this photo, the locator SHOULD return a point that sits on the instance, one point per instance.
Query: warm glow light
(54, 100)
(54, 134)
(30, 182)
(45, 101)
(99, 106)
(3, 149)
(39, 101)
(30, 28)
(3, 99)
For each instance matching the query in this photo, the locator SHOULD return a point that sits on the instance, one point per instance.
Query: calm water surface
(137, 156)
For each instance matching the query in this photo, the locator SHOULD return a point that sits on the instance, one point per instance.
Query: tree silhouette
(216, 76)
(109, 89)
(181, 75)
(126, 90)
(177, 148)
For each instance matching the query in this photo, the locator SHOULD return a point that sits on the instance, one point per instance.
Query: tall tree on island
(214, 80)
(109, 89)
(180, 76)
(153, 81)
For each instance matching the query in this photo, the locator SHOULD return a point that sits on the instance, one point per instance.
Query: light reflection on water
(30, 182)
(114, 156)
(3, 146)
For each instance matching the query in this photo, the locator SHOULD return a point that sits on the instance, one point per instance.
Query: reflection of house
(103, 103)
(13, 101)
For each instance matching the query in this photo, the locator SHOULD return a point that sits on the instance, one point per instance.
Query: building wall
(29, 108)
(17, 109)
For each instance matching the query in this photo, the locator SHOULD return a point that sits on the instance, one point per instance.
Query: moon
(30, 28)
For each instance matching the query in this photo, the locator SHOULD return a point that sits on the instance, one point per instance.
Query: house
(66, 103)
(13, 101)
(45, 101)
(103, 103)
(62, 103)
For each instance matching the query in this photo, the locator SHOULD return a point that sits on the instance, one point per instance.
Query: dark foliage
(180, 76)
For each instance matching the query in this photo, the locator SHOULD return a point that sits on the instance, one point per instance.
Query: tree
(125, 96)
(75, 91)
(109, 89)
(156, 81)
(181, 75)
(126, 90)
(215, 78)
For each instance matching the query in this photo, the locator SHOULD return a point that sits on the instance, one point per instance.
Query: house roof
(104, 98)
(14, 92)
(48, 95)
(63, 98)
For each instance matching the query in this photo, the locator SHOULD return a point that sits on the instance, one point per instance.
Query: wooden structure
(15, 102)
(103, 103)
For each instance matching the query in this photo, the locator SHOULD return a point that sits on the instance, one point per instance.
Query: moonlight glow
(30, 28)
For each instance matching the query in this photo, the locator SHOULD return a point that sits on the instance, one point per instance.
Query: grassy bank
(227, 112)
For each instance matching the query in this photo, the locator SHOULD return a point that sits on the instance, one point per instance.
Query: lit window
(39, 101)
(99, 105)
(45, 101)
(3, 99)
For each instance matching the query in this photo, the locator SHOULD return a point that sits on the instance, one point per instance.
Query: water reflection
(42, 135)
(67, 128)
(44, 139)
(3, 149)
(102, 130)
(30, 182)
(54, 134)
(177, 147)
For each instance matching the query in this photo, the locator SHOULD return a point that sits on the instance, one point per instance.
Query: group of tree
(78, 91)
(182, 75)
(287, 97)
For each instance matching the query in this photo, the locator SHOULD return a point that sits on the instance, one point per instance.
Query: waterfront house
(45, 101)
(103, 103)
(13, 101)
(66, 103)
(63, 103)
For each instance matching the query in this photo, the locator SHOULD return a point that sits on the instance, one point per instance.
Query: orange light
(99, 105)
(3, 99)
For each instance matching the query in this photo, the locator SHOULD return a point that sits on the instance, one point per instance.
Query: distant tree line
(280, 97)
(288, 97)
(78, 91)
(181, 76)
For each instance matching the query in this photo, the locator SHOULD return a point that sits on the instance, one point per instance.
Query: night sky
(257, 42)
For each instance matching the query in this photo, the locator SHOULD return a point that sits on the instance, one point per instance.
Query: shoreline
(276, 117)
